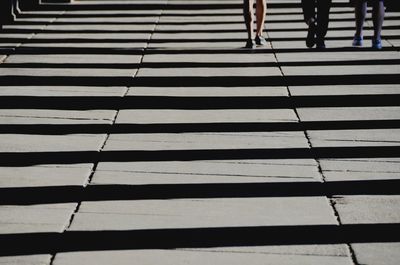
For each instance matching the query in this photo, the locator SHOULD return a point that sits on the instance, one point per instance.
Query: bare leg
(248, 17)
(378, 15)
(360, 12)
(260, 14)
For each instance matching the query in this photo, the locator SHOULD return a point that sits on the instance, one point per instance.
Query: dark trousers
(28, 5)
(319, 10)
(7, 11)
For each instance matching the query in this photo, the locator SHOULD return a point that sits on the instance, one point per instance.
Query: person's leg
(378, 14)
(360, 10)
(248, 17)
(261, 9)
(323, 8)
(308, 7)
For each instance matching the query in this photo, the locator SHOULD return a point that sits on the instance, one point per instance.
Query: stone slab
(206, 141)
(116, 20)
(116, 13)
(360, 169)
(26, 260)
(58, 37)
(75, 58)
(193, 257)
(208, 91)
(243, 171)
(289, 45)
(377, 253)
(344, 90)
(62, 91)
(235, 44)
(196, 18)
(340, 70)
(68, 72)
(43, 116)
(363, 209)
(113, 46)
(114, 28)
(198, 36)
(35, 218)
(50, 143)
(185, 213)
(354, 113)
(210, 71)
(44, 176)
(348, 175)
(372, 137)
(334, 250)
(165, 26)
(193, 11)
(35, 26)
(205, 116)
(376, 168)
(212, 57)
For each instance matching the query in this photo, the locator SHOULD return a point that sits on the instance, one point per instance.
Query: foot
(310, 40)
(358, 41)
(321, 44)
(376, 43)
(250, 44)
(261, 41)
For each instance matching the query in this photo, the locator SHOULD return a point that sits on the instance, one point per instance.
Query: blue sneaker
(376, 44)
(358, 41)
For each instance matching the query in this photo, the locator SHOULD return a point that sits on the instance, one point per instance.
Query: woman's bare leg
(260, 15)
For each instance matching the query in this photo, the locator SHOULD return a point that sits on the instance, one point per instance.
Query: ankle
(310, 21)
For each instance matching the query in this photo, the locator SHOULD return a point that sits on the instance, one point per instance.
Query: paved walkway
(139, 132)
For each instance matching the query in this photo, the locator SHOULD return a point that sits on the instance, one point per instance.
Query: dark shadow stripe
(62, 129)
(162, 65)
(14, 159)
(70, 194)
(270, 80)
(203, 103)
(42, 243)
(203, 81)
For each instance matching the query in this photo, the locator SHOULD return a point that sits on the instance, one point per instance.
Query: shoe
(250, 44)
(310, 40)
(321, 44)
(376, 44)
(261, 41)
(358, 41)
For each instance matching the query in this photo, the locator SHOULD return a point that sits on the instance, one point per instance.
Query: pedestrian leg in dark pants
(316, 16)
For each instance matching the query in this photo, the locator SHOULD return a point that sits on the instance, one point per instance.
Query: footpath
(141, 132)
